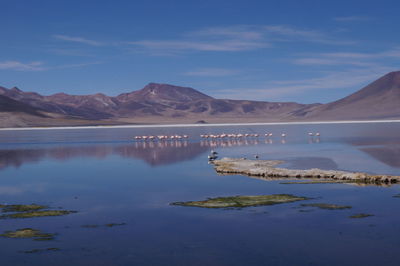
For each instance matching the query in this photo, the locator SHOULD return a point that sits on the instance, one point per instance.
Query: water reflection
(389, 155)
(229, 142)
(153, 153)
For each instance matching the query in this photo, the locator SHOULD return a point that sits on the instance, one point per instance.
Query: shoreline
(267, 169)
(202, 125)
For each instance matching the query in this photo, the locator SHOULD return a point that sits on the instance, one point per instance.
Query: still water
(108, 178)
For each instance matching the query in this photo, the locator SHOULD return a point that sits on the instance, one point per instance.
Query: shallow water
(108, 178)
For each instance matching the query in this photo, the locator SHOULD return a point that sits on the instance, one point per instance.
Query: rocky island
(267, 169)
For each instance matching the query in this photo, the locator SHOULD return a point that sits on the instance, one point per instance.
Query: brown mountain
(160, 102)
(9, 105)
(378, 100)
(163, 103)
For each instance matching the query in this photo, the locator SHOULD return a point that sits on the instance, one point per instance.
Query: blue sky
(303, 51)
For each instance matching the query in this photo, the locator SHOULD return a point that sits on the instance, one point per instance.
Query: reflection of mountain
(153, 153)
(389, 155)
(161, 153)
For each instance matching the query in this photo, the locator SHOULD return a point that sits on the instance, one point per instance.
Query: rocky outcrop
(268, 169)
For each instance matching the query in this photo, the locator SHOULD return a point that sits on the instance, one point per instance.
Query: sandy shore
(205, 125)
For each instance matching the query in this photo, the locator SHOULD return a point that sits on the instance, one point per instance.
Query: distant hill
(154, 102)
(164, 103)
(378, 100)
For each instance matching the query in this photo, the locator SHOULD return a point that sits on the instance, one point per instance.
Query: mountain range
(164, 103)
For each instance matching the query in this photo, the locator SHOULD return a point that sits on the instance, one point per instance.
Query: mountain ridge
(165, 103)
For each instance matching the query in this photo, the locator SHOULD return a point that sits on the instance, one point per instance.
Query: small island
(267, 170)
(242, 201)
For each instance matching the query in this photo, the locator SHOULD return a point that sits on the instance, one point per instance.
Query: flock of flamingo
(161, 137)
(211, 136)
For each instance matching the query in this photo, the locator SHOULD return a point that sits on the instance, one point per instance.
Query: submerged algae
(106, 225)
(28, 233)
(242, 201)
(327, 206)
(37, 250)
(360, 215)
(22, 207)
(114, 224)
(32, 214)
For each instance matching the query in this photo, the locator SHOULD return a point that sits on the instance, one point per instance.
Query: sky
(303, 51)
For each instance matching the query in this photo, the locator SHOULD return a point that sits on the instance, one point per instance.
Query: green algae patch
(302, 210)
(242, 201)
(44, 239)
(106, 225)
(327, 206)
(27, 233)
(114, 224)
(33, 214)
(360, 215)
(40, 250)
(22, 207)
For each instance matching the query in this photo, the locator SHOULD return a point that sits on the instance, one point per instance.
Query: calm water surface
(107, 178)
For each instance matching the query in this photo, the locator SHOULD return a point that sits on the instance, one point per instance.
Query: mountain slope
(378, 100)
(163, 94)
(9, 105)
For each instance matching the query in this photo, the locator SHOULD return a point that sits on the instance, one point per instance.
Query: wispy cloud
(210, 46)
(293, 32)
(77, 65)
(212, 72)
(237, 38)
(352, 18)
(246, 32)
(330, 61)
(281, 89)
(347, 58)
(78, 40)
(288, 33)
(39, 66)
(71, 52)
(20, 66)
